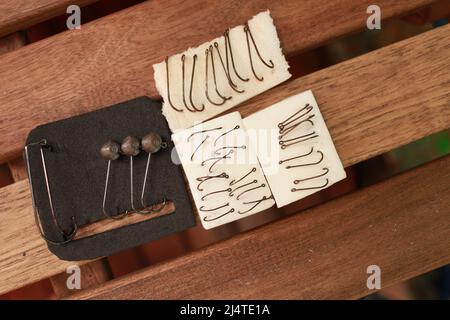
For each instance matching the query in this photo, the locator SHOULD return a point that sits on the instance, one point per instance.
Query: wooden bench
(402, 224)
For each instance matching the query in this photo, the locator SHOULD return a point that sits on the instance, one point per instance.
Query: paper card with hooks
(302, 159)
(223, 171)
(205, 81)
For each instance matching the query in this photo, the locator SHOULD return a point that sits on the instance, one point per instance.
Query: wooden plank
(18, 169)
(407, 118)
(75, 71)
(19, 14)
(93, 273)
(365, 101)
(7, 44)
(11, 42)
(24, 257)
(402, 225)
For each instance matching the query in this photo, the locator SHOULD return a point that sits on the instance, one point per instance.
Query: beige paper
(281, 179)
(268, 44)
(211, 140)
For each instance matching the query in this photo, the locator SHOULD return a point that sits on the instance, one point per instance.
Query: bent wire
(233, 86)
(131, 147)
(183, 58)
(311, 188)
(216, 160)
(248, 34)
(207, 219)
(283, 132)
(297, 157)
(225, 133)
(110, 151)
(308, 164)
(206, 82)
(256, 203)
(198, 147)
(151, 143)
(202, 208)
(233, 182)
(242, 186)
(228, 47)
(298, 181)
(168, 86)
(326, 170)
(249, 190)
(286, 122)
(289, 142)
(207, 178)
(201, 132)
(211, 50)
(67, 236)
(219, 151)
(192, 85)
(215, 192)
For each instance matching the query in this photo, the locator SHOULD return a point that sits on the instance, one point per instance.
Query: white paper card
(266, 39)
(222, 170)
(300, 159)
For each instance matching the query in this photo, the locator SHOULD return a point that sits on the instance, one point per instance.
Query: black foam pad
(77, 173)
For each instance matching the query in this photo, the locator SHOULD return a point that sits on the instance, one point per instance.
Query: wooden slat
(380, 100)
(402, 225)
(93, 273)
(18, 169)
(24, 257)
(110, 60)
(361, 128)
(19, 14)
(11, 42)
(7, 44)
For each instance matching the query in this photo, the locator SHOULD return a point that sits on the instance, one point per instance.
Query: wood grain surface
(402, 225)
(12, 42)
(19, 14)
(24, 256)
(110, 60)
(18, 169)
(95, 272)
(362, 123)
(380, 100)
